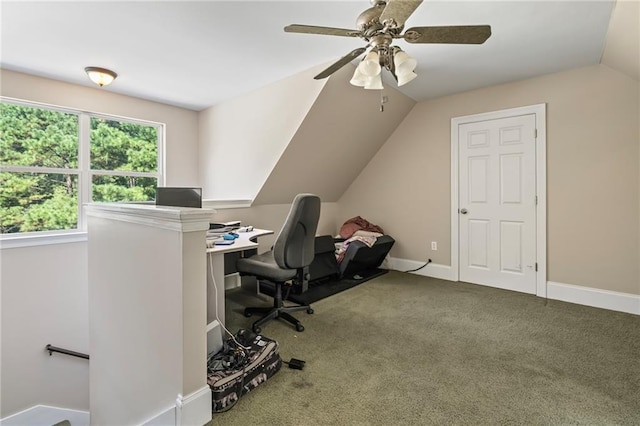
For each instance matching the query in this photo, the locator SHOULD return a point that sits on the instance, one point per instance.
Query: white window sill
(10, 241)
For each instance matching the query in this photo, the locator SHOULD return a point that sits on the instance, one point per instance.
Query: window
(52, 161)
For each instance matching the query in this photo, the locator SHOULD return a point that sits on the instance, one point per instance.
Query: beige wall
(622, 49)
(592, 164)
(338, 137)
(242, 139)
(44, 301)
(147, 310)
(593, 206)
(44, 288)
(273, 143)
(181, 137)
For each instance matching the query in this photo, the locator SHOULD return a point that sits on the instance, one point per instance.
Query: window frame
(83, 172)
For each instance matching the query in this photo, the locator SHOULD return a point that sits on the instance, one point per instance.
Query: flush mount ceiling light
(379, 26)
(100, 76)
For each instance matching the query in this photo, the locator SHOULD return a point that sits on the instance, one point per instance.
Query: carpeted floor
(403, 349)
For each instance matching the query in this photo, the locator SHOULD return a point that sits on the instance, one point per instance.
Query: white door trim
(541, 186)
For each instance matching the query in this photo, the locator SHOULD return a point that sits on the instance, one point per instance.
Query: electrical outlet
(434, 245)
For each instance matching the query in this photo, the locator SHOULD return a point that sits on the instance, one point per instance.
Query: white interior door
(497, 203)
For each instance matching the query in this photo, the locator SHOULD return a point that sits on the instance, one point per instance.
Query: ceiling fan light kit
(368, 72)
(370, 65)
(404, 63)
(405, 67)
(379, 26)
(405, 78)
(374, 83)
(359, 79)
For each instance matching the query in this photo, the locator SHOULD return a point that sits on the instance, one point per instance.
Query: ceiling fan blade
(460, 34)
(340, 63)
(399, 10)
(310, 29)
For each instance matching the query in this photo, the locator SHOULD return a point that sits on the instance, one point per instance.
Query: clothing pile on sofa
(357, 229)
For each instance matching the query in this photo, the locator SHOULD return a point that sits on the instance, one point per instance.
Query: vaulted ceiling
(196, 54)
(324, 159)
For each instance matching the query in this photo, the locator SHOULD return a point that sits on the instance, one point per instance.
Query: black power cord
(417, 269)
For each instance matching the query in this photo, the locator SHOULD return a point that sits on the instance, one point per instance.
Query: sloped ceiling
(242, 139)
(340, 134)
(622, 49)
(196, 54)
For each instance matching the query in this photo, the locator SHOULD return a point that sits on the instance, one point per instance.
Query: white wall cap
(184, 219)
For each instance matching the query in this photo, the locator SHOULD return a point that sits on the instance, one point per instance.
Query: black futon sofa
(358, 260)
(327, 277)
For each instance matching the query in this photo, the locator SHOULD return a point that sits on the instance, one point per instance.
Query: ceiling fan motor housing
(368, 22)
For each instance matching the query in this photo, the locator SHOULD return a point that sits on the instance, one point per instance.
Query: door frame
(539, 111)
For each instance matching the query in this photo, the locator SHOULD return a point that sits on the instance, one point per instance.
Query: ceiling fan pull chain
(383, 100)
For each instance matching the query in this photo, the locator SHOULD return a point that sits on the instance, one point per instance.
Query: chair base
(278, 310)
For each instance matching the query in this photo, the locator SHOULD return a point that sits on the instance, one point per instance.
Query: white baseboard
(605, 299)
(433, 270)
(597, 298)
(44, 415)
(194, 409)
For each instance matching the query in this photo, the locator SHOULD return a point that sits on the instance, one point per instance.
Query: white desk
(215, 271)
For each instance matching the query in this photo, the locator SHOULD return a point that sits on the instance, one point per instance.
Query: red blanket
(356, 224)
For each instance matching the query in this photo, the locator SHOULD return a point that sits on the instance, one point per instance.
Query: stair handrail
(53, 349)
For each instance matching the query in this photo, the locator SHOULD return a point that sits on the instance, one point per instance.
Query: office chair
(292, 252)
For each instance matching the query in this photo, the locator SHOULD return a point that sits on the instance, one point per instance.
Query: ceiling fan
(379, 26)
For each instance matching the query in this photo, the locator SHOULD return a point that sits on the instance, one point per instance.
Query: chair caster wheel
(309, 311)
(256, 330)
(299, 327)
(247, 314)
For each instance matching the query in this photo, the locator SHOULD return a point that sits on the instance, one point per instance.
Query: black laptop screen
(179, 197)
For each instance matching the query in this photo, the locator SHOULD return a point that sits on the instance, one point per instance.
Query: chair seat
(292, 253)
(265, 266)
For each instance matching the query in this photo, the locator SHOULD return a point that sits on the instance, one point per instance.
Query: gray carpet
(403, 349)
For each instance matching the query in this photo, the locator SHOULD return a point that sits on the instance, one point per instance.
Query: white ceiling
(197, 54)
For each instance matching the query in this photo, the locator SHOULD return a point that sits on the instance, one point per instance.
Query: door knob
(464, 211)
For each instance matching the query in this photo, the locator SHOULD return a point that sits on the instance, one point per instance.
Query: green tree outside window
(41, 173)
